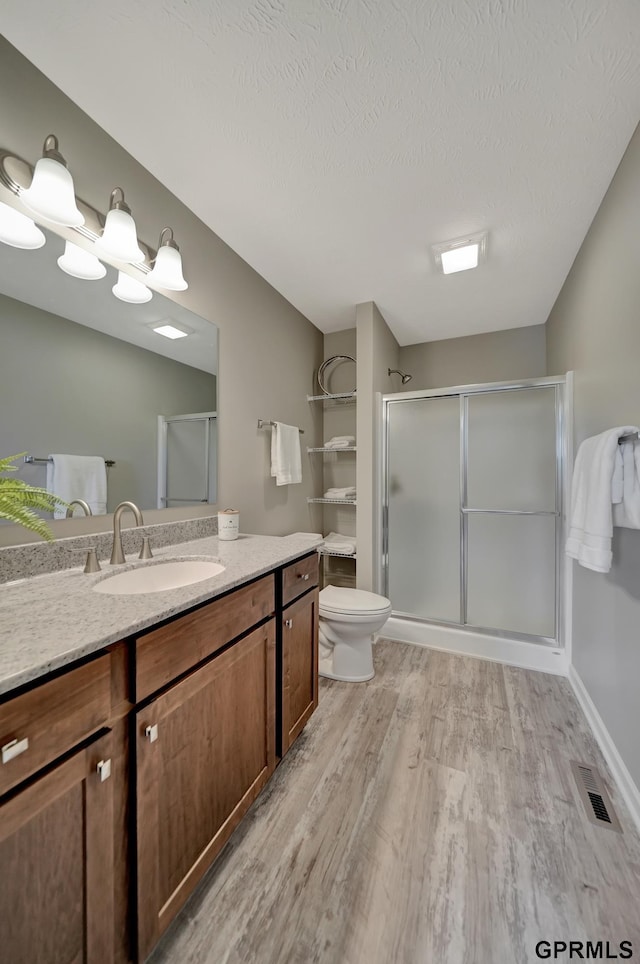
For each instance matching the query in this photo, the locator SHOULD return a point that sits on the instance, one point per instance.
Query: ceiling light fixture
(119, 239)
(51, 194)
(18, 230)
(167, 270)
(132, 291)
(461, 254)
(80, 263)
(170, 331)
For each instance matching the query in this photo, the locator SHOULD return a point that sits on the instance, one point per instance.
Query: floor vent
(595, 799)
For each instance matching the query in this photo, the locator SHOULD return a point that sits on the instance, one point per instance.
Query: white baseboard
(513, 652)
(624, 781)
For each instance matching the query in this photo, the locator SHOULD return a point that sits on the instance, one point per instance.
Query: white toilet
(348, 620)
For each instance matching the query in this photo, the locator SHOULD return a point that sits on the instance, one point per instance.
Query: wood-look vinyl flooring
(426, 817)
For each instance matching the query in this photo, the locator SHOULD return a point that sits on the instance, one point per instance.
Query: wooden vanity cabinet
(56, 863)
(297, 650)
(205, 747)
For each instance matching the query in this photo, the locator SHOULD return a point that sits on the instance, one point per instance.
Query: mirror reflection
(85, 374)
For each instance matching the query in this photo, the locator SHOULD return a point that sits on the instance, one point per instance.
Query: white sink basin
(158, 576)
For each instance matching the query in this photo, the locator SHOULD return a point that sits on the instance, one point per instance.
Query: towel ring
(326, 364)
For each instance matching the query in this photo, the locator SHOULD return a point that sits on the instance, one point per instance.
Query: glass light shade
(130, 290)
(18, 230)
(167, 270)
(119, 239)
(51, 194)
(460, 259)
(80, 263)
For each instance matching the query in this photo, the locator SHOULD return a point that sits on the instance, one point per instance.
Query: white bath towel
(627, 512)
(340, 442)
(345, 545)
(346, 493)
(286, 460)
(591, 519)
(78, 477)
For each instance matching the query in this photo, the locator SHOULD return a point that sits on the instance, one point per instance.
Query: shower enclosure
(472, 507)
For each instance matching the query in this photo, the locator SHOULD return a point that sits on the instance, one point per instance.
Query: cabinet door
(299, 666)
(56, 864)
(205, 749)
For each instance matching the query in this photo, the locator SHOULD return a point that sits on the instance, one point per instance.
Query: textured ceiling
(330, 142)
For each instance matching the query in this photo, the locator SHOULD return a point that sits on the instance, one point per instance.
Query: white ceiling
(330, 142)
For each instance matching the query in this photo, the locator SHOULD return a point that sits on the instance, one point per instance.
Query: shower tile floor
(426, 817)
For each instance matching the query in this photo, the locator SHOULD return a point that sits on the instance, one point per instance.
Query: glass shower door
(423, 522)
(510, 511)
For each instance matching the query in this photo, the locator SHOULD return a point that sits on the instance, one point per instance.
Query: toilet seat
(339, 601)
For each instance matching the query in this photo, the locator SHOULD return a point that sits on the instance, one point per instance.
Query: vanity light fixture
(167, 270)
(130, 290)
(119, 239)
(19, 231)
(80, 263)
(461, 254)
(51, 194)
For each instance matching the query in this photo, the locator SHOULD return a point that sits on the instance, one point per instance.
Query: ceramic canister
(228, 524)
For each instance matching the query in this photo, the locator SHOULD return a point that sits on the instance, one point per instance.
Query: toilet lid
(337, 599)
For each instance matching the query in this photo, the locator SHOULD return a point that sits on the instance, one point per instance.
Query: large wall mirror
(83, 373)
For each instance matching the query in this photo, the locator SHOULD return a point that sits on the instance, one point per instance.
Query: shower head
(396, 371)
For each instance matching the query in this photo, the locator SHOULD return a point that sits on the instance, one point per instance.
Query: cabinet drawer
(298, 577)
(166, 653)
(51, 719)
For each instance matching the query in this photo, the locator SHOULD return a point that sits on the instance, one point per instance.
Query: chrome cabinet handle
(103, 770)
(288, 623)
(14, 748)
(151, 733)
(304, 576)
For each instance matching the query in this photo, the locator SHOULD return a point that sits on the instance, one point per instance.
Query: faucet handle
(91, 564)
(145, 551)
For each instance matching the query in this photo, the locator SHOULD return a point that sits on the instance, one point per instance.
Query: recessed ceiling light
(461, 254)
(170, 331)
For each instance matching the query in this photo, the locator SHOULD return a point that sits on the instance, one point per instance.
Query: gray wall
(377, 352)
(268, 350)
(76, 390)
(594, 329)
(495, 356)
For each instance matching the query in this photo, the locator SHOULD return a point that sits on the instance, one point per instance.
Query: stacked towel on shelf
(286, 460)
(340, 442)
(347, 493)
(78, 477)
(598, 482)
(343, 545)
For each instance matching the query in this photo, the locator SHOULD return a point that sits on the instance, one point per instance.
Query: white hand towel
(591, 520)
(348, 493)
(340, 441)
(286, 460)
(627, 513)
(78, 477)
(339, 543)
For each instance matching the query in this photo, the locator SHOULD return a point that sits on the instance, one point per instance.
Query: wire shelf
(339, 396)
(338, 555)
(335, 501)
(330, 448)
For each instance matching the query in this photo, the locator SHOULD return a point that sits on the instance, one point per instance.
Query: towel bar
(33, 458)
(265, 423)
(632, 437)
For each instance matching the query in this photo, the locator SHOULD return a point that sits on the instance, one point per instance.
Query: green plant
(19, 500)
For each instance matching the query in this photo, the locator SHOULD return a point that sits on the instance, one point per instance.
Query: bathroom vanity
(128, 762)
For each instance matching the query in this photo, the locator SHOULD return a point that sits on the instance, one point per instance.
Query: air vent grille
(595, 799)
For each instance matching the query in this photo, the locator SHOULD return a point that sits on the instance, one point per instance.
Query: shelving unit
(337, 568)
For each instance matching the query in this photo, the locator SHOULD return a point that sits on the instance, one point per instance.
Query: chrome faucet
(86, 508)
(117, 555)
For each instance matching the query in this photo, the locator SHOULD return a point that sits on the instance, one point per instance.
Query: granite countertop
(49, 621)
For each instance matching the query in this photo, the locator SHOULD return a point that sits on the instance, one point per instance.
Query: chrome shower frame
(464, 392)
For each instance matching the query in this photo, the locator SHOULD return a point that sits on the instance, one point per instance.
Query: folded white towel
(286, 460)
(339, 543)
(591, 520)
(78, 477)
(340, 442)
(627, 513)
(337, 445)
(348, 493)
